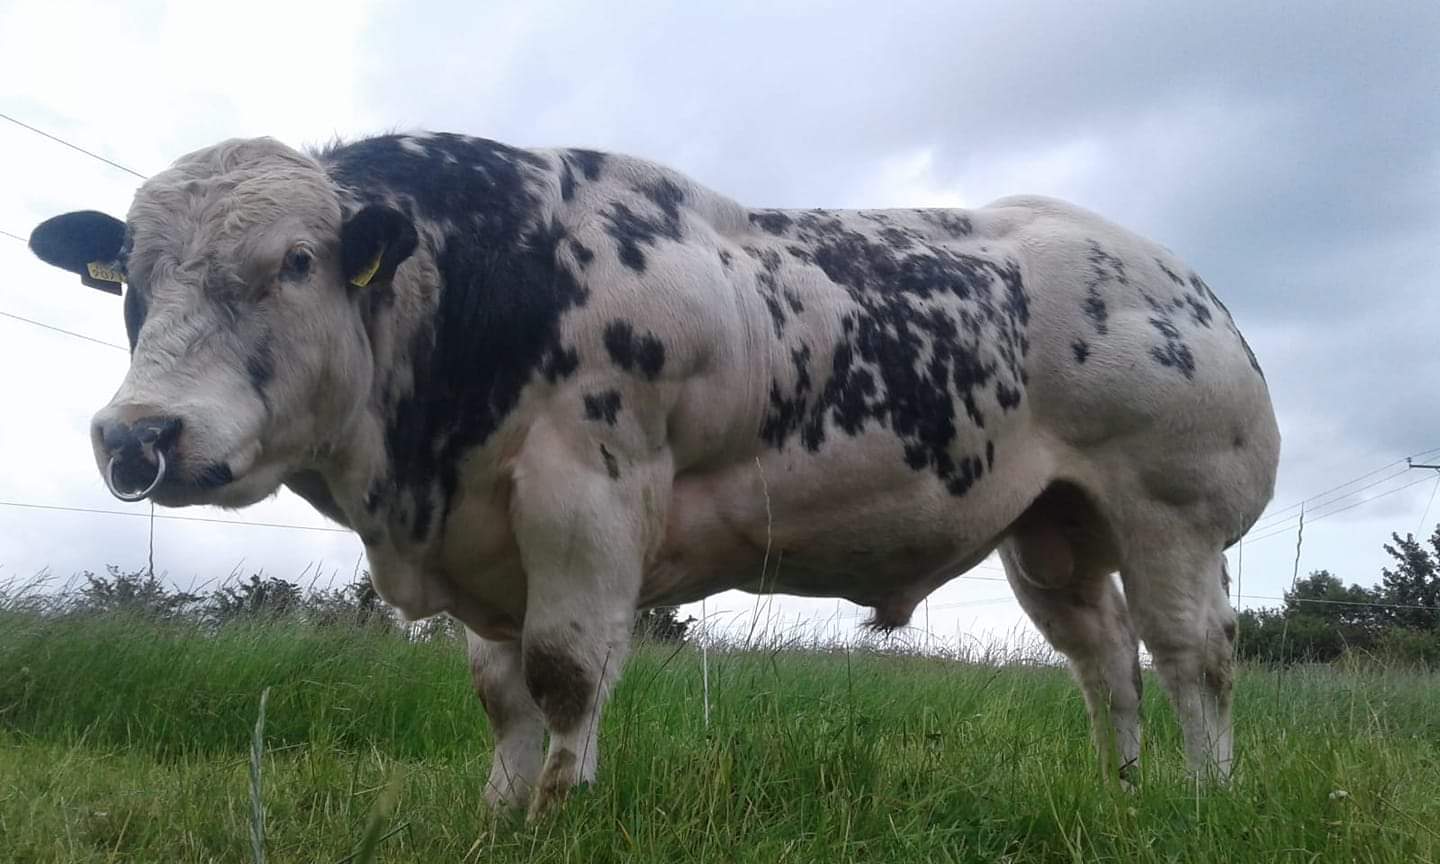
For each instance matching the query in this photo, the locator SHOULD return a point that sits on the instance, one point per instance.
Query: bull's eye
(297, 264)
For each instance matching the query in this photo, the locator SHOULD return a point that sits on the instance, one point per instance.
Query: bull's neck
(467, 322)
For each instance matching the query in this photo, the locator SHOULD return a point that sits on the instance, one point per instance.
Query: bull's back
(926, 374)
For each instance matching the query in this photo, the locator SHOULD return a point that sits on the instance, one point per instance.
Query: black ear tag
(102, 276)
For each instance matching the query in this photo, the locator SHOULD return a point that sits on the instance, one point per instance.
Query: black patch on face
(973, 314)
(771, 221)
(502, 294)
(603, 406)
(1081, 349)
(583, 253)
(559, 685)
(632, 230)
(612, 465)
(645, 353)
(726, 259)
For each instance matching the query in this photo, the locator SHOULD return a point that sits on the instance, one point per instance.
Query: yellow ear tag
(102, 273)
(363, 278)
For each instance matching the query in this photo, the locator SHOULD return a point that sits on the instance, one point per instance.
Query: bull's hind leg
(515, 720)
(1059, 564)
(1174, 583)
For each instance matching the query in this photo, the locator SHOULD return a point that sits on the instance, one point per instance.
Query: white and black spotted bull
(548, 387)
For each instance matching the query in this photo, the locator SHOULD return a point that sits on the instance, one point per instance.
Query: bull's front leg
(515, 722)
(584, 515)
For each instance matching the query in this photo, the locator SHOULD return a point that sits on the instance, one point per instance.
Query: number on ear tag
(104, 273)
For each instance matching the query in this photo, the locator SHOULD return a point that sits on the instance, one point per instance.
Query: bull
(547, 387)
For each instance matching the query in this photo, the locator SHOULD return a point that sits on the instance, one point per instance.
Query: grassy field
(130, 742)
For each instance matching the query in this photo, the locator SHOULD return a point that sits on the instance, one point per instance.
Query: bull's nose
(137, 454)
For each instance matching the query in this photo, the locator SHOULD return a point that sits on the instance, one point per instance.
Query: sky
(1290, 153)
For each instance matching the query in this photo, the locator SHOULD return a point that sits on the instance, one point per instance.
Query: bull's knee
(568, 691)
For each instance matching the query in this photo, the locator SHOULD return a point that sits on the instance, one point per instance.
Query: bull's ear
(374, 242)
(84, 242)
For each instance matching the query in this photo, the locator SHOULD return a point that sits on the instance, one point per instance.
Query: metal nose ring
(135, 496)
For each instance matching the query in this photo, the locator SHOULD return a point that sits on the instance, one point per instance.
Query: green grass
(122, 741)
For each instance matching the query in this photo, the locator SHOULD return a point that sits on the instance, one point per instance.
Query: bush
(662, 624)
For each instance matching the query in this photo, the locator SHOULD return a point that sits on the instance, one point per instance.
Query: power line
(55, 507)
(64, 331)
(76, 147)
(1335, 500)
(1338, 498)
(14, 236)
(1286, 530)
(1425, 515)
(1273, 524)
(1273, 515)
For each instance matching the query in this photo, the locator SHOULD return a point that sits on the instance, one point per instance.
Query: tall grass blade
(257, 804)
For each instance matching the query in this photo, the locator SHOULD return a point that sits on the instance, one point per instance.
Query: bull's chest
(477, 559)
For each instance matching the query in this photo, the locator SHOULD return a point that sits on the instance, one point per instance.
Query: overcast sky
(1289, 152)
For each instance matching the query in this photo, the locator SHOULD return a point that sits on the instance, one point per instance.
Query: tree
(1415, 581)
(1354, 610)
(1320, 620)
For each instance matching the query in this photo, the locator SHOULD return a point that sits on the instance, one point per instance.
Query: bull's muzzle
(137, 455)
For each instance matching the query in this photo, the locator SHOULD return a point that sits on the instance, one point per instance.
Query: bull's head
(244, 280)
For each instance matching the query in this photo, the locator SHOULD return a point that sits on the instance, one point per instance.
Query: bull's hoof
(1129, 774)
(560, 776)
(507, 798)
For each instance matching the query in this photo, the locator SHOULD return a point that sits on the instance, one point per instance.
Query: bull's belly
(845, 522)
